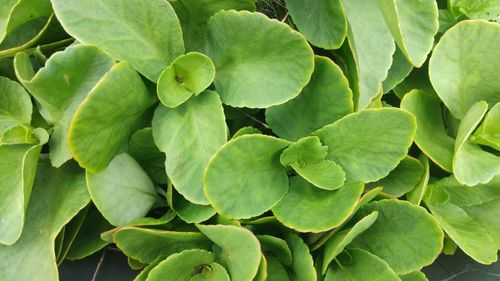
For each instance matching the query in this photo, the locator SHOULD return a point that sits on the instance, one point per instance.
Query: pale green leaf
(324, 100)
(322, 22)
(57, 196)
(249, 162)
(306, 208)
(259, 62)
(122, 192)
(148, 34)
(462, 67)
(413, 25)
(431, 135)
(371, 45)
(393, 235)
(240, 249)
(201, 121)
(371, 155)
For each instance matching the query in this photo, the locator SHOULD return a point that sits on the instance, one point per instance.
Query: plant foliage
(224, 140)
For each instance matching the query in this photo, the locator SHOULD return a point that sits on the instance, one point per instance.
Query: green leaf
(15, 105)
(337, 243)
(431, 135)
(146, 245)
(188, 75)
(262, 271)
(372, 46)
(478, 9)
(127, 32)
(250, 161)
(248, 130)
(461, 68)
(302, 266)
(370, 155)
(469, 216)
(72, 74)
(187, 211)
(326, 174)
(276, 247)
(94, 141)
(240, 249)
(400, 69)
(257, 53)
(183, 266)
(122, 192)
(306, 208)
(489, 131)
(15, 13)
(18, 165)
(200, 120)
(416, 195)
(88, 240)
(470, 236)
(306, 157)
(306, 150)
(360, 265)
(392, 237)
(471, 164)
(70, 231)
(58, 195)
(143, 148)
(324, 100)
(413, 26)
(276, 271)
(402, 179)
(213, 272)
(414, 276)
(327, 27)
(194, 15)
(160, 223)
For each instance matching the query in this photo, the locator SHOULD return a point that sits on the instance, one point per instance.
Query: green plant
(307, 140)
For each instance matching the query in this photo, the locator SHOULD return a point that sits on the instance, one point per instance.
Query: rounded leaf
(98, 130)
(324, 100)
(247, 163)
(147, 245)
(337, 243)
(188, 75)
(241, 251)
(431, 136)
(122, 192)
(127, 32)
(413, 25)
(360, 265)
(398, 228)
(306, 208)
(181, 266)
(402, 179)
(327, 27)
(189, 135)
(260, 62)
(462, 68)
(369, 144)
(15, 105)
